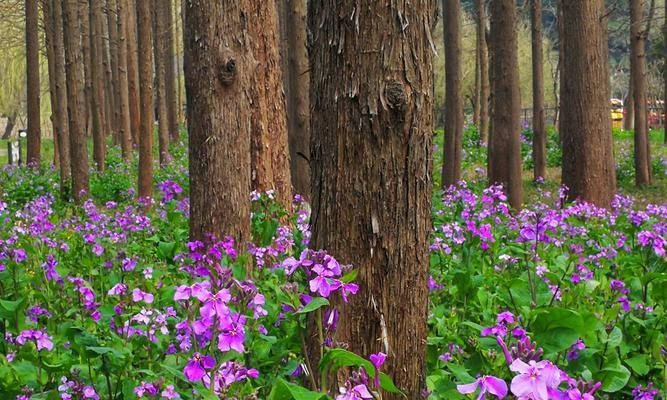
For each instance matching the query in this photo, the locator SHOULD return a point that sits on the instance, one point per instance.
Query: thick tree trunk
(113, 52)
(96, 86)
(33, 88)
(60, 118)
(505, 144)
(639, 89)
(145, 49)
(78, 148)
(124, 127)
(539, 113)
(84, 19)
(159, 51)
(269, 147)
(133, 70)
(296, 78)
(451, 165)
(588, 158)
(374, 211)
(219, 69)
(484, 88)
(167, 38)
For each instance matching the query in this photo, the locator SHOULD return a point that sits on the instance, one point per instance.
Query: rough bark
(96, 86)
(75, 107)
(588, 159)
(296, 78)
(50, 58)
(167, 37)
(33, 88)
(109, 101)
(505, 143)
(639, 93)
(269, 147)
(133, 70)
(372, 149)
(145, 48)
(451, 165)
(60, 118)
(124, 127)
(219, 69)
(484, 88)
(84, 20)
(539, 113)
(159, 54)
(112, 23)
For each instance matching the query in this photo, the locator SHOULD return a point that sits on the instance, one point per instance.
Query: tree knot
(395, 95)
(228, 72)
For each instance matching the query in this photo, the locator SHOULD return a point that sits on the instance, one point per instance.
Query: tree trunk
(78, 148)
(505, 143)
(664, 75)
(588, 158)
(33, 88)
(50, 58)
(145, 49)
(113, 52)
(125, 128)
(539, 113)
(109, 101)
(133, 70)
(60, 116)
(484, 88)
(296, 78)
(269, 147)
(167, 37)
(219, 69)
(629, 117)
(451, 166)
(96, 91)
(9, 128)
(639, 89)
(372, 149)
(159, 44)
(84, 19)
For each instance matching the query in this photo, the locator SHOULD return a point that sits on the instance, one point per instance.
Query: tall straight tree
(159, 43)
(77, 135)
(112, 23)
(269, 146)
(539, 113)
(133, 69)
(33, 88)
(97, 85)
(145, 48)
(109, 100)
(47, 22)
(372, 170)
(296, 82)
(84, 20)
(588, 158)
(165, 16)
(124, 124)
(505, 143)
(639, 92)
(483, 63)
(451, 165)
(218, 66)
(60, 118)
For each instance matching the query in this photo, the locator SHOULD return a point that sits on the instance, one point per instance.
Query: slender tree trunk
(133, 70)
(588, 158)
(50, 58)
(78, 148)
(505, 146)
(159, 44)
(9, 128)
(60, 116)
(539, 113)
(451, 166)
(125, 128)
(639, 89)
(145, 48)
(84, 19)
(167, 36)
(94, 78)
(484, 88)
(109, 101)
(112, 22)
(374, 211)
(296, 78)
(33, 88)
(269, 146)
(474, 100)
(629, 117)
(217, 78)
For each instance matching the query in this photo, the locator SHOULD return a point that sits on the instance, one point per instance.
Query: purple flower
(197, 366)
(377, 360)
(534, 379)
(358, 392)
(170, 393)
(138, 295)
(182, 293)
(486, 384)
(214, 303)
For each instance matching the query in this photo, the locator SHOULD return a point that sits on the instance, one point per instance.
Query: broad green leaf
(613, 379)
(315, 303)
(284, 390)
(639, 364)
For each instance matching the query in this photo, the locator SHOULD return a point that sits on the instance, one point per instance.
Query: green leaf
(284, 390)
(615, 338)
(639, 364)
(461, 373)
(350, 276)
(105, 350)
(335, 359)
(315, 303)
(613, 379)
(557, 329)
